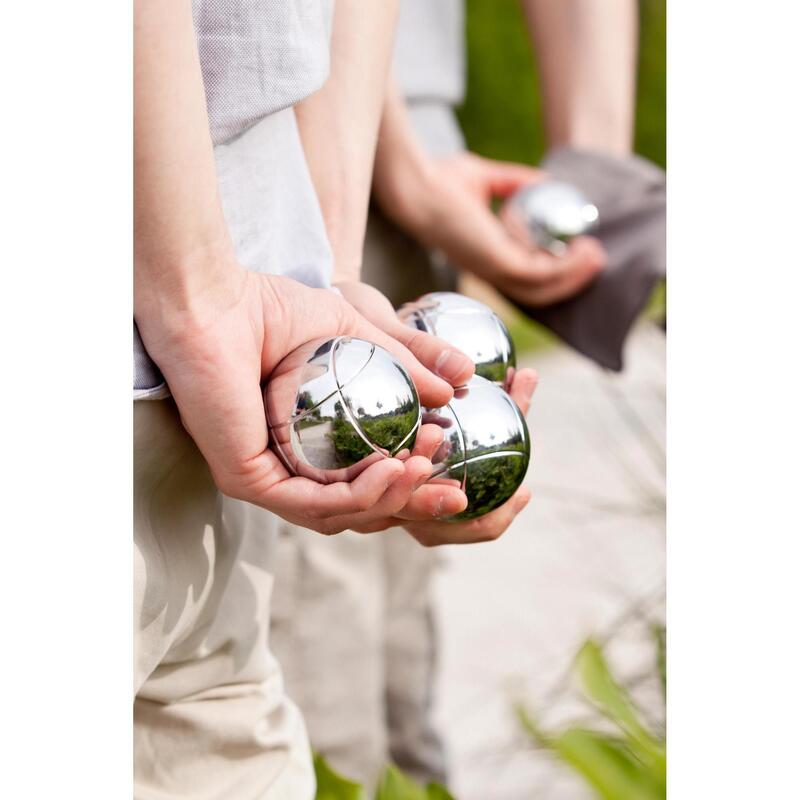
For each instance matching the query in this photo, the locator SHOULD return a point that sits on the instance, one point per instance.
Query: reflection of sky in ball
(380, 388)
(477, 335)
(488, 418)
(491, 427)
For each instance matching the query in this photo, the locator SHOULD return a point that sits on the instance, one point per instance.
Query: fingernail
(451, 364)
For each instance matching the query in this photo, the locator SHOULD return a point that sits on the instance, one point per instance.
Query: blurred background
(586, 559)
(502, 113)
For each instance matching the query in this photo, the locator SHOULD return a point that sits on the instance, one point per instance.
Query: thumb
(435, 354)
(433, 391)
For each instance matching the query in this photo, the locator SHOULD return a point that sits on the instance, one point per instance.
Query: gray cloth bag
(630, 194)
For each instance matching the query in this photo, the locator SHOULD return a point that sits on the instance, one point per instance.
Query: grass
(501, 116)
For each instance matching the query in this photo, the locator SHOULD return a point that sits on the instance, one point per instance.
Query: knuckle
(412, 338)
(397, 502)
(362, 502)
(344, 313)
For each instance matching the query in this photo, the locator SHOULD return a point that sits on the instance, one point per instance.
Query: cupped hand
(217, 347)
(450, 210)
(423, 516)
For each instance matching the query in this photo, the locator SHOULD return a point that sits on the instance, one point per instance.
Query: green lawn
(501, 116)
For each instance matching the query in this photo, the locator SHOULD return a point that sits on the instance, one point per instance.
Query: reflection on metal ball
(335, 406)
(486, 447)
(549, 214)
(468, 325)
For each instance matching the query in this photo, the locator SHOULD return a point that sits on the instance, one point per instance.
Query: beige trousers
(354, 630)
(353, 621)
(211, 718)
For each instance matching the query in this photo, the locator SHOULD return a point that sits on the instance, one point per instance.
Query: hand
(437, 355)
(446, 203)
(216, 348)
(430, 502)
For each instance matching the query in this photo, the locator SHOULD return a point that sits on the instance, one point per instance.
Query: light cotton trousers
(211, 718)
(353, 624)
(354, 629)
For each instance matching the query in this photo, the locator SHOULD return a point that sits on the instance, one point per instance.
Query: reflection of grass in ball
(389, 431)
(385, 431)
(349, 448)
(490, 482)
(494, 371)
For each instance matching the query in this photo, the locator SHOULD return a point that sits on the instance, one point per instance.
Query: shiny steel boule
(336, 406)
(470, 326)
(549, 214)
(486, 447)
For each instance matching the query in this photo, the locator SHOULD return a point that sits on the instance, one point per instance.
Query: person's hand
(437, 355)
(428, 504)
(214, 350)
(446, 204)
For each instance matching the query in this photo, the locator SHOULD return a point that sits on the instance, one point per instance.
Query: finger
(433, 501)
(505, 177)
(377, 518)
(433, 390)
(301, 497)
(522, 388)
(397, 495)
(437, 355)
(542, 278)
(486, 528)
(433, 417)
(429, 438)
(584, 254)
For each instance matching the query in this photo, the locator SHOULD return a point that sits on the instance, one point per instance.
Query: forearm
(586, 53)
(181, 244)
(339, 124)
(402, 167)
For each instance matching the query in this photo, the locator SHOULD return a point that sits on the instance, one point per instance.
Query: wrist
(186, 293)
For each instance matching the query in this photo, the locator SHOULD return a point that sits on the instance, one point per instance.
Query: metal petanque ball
(468, 325)
(549, 214)
(336, 406)
(486, 447)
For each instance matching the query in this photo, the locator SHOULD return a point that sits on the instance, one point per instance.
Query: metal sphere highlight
(549, 214)
(336, 406)
(470, 326)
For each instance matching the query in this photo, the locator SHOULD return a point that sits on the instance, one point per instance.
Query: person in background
(368, 694)
(240, 162)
